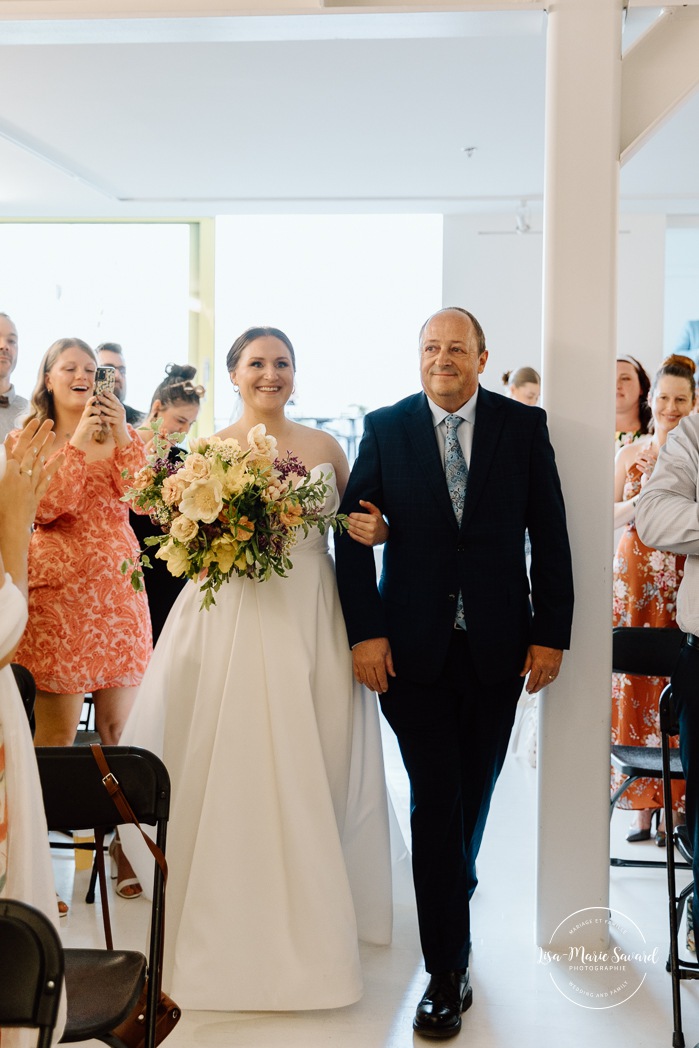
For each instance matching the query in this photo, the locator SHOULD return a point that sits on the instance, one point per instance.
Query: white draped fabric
(25, 868)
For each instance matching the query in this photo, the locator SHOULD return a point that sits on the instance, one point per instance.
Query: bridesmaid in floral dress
(645, 593)
(88, 630)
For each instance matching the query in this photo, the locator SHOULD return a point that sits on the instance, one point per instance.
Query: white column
(579, 332)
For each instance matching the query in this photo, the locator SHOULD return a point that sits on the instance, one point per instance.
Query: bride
(278, 846)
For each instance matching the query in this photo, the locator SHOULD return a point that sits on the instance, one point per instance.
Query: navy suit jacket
(512, 486)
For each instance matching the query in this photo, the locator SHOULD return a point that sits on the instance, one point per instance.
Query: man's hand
(373, 663)
(542, 664)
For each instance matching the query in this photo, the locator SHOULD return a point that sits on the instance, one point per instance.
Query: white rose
(202, 500)
(261, 445)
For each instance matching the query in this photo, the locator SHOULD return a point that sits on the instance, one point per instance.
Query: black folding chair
(103, 986)
(678, 967)
(645, 652)
(31, 969)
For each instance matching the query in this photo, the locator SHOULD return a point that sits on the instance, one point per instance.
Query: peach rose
(173, 489)
(290, 515)
(183, 529)
(143, 479)
(243, 529)
(196, 467)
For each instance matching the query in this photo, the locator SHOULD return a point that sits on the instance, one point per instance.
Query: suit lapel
(489, 421)
(419, 430)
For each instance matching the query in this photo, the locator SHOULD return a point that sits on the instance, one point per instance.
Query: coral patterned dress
(88, 629)
(645, 594)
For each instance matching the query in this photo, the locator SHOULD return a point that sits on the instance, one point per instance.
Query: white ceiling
(183, 117)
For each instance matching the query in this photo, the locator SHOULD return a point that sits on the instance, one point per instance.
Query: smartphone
(104, 380)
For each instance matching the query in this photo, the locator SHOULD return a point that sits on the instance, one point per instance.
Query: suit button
(460, 548)
(452, 596)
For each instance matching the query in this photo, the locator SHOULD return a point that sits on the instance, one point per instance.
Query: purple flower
(290, 464)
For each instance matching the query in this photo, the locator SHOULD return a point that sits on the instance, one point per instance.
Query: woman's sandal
(128, 886)
(63, 907)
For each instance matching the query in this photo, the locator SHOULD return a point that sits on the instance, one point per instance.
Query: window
(101, 282)
(351, 292)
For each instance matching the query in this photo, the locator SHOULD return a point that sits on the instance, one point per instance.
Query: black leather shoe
(439, 1012)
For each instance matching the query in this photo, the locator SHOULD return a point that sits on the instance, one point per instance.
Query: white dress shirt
(464, 433)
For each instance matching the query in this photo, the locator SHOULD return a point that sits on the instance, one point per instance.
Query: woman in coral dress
(645, 593)
(278, 843)
(88, 630)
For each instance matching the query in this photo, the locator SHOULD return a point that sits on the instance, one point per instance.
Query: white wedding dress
(278, 844)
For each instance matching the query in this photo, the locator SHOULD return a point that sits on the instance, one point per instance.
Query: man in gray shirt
(667, 518)
(11, 405)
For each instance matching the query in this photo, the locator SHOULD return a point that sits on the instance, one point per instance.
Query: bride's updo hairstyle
(41, 403)
(244, 340)
(177, 387)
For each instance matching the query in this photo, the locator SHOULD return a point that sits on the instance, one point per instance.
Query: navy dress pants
(453, 736)
(685, 696)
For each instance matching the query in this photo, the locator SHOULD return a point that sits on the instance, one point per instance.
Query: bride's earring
(236, 389)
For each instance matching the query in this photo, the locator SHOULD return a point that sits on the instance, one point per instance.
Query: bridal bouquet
(226, 510)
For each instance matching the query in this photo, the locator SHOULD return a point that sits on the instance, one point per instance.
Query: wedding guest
(175, 405)
(633, 415)
(523, 385)
(268, 741)
(667, 518)
(448, 635)
(26, 872)
(689, 342)
(11, 404)
(110, 354)
(88, 630)
(646, 581)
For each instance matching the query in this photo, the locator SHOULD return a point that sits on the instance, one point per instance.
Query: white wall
(509, 306)
(681, 281)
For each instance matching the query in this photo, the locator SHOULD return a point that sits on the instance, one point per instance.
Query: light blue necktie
(456, 472)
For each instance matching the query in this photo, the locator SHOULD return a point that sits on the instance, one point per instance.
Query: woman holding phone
(88, 630)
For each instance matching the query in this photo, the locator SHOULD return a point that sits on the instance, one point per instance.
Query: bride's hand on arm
(369, 529)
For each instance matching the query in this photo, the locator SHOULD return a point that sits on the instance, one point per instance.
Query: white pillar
(579, 333)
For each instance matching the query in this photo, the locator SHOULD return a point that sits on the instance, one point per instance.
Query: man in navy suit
(450, 633)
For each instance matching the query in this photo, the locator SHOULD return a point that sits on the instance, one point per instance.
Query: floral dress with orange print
(645, 594)
(88, 628)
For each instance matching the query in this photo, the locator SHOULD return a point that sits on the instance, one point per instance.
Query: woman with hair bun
(523, 385)
(645, 592)
(175, 405)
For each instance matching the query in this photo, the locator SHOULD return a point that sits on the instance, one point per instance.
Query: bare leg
(112, 707)
(57, 718)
